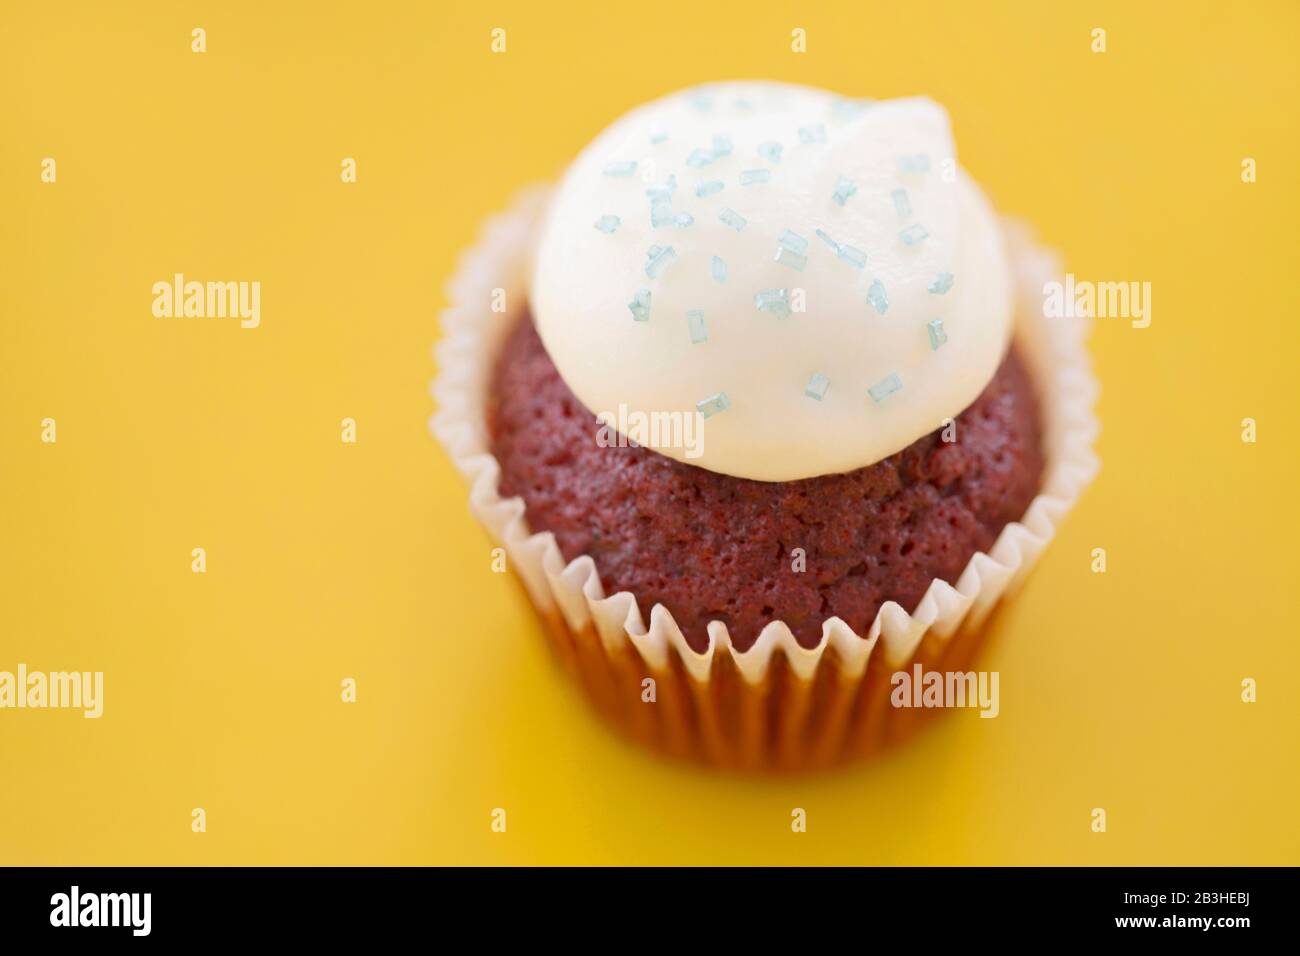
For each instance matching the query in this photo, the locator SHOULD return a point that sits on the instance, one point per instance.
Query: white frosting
(584, 279)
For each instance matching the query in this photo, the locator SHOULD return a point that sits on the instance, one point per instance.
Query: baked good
(775, 413)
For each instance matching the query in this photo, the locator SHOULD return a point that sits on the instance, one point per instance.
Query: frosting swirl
(815, 278)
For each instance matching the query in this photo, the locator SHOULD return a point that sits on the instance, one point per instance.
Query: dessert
(778, 382)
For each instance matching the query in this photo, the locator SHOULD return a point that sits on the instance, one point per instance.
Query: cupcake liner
(776, 705)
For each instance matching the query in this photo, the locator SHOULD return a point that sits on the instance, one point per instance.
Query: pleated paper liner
(775, 706)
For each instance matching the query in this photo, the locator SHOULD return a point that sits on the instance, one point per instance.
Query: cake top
(773, 282)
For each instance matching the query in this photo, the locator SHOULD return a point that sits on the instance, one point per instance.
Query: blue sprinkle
(817, 385)
(887, 386)
(771, 151)
(854, 257)
(824, 237)
(658, 135)
(750, 177)
(702, 100)
(729, 217)
(901, 203)
(699, 158)
(844, 188)
(714, 404)
(663, 190)
(775, 301)
(640, 305)
(683, 219)
(695, 323)
(653, 251)
(913, 234)
(847, 109)
(718, 269)
(792, 241)
(812, 134)
(787, 257)
(743, 104)
(937, 335)
(661, 213)
(607, 224)
(660, 261)
(876, 296)
(625, 168)
(709, 188)
(914, 163)
(721, 146)
(941, 284)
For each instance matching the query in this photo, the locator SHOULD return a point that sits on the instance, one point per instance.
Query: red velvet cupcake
(778, 380)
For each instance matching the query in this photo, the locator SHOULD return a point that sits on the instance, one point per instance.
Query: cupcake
(771, 414)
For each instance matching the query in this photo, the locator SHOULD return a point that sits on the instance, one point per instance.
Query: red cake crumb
(713, 547)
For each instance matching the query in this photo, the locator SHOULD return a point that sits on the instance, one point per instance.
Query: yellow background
(328, 560)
